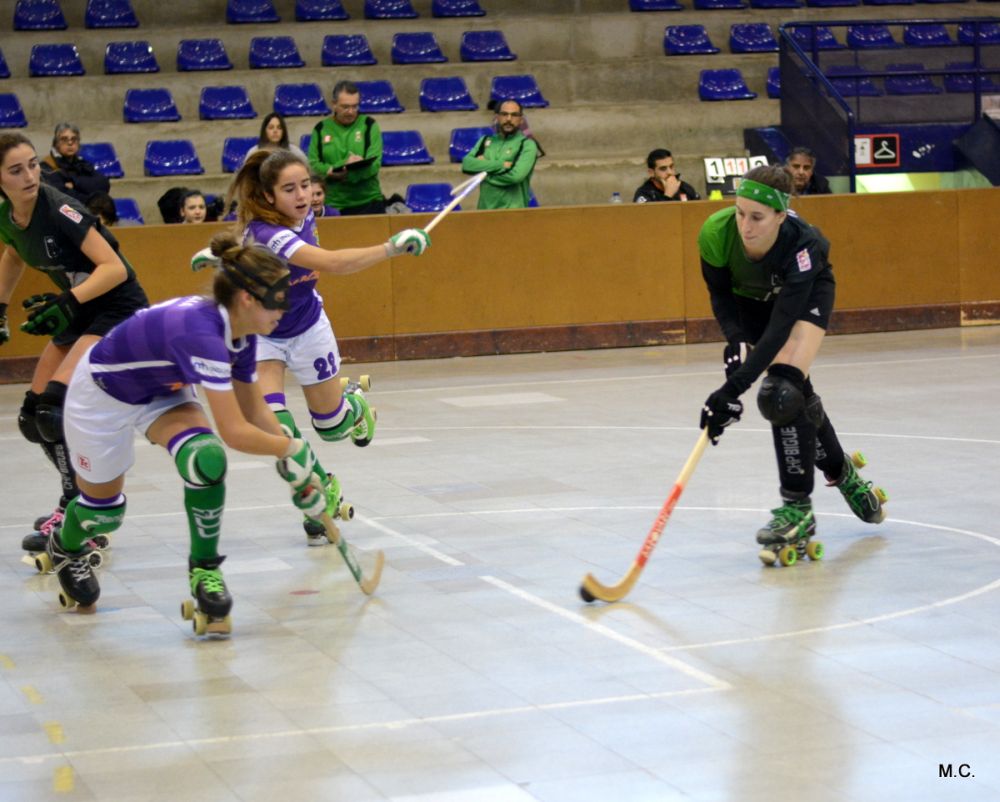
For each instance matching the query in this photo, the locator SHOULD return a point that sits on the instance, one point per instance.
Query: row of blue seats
(735, 5)
(37, 15)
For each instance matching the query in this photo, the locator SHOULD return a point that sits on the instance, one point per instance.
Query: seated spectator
(801, 166)
(274, 134)
(318, 198)
(193, 207)
(101, 204)
(66, 171)
(664, 182)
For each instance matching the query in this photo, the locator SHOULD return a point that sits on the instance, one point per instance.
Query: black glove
(49, 314)
(735, 354)
(719, 411)
(4, 328)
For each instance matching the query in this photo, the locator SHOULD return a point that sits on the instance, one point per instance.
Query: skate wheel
(365, 382)
(882, 495)
(346, 511)
(788, 555)
(768, 557)
(65, 601)
(200, 623)
(858, 460)
(814, 550)
(96, 559)
(218, 626)
(187, 609)
(43, 563)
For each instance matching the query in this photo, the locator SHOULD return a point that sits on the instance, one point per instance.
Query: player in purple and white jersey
(141, 377)
(273, 191)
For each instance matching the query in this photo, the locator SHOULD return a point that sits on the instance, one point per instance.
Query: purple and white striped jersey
(159, 350)
(306, 305)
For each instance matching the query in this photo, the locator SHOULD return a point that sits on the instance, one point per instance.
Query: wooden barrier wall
(598, 276)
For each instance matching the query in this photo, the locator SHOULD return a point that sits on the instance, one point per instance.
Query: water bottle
(616, 197)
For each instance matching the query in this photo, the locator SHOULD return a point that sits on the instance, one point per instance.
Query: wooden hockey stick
(458, 193)
(591, 589)
(367, 584)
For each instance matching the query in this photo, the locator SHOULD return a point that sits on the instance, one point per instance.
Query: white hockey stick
(458, 193)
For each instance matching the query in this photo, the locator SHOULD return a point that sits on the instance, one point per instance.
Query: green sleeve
(316, 162)
(470, 164)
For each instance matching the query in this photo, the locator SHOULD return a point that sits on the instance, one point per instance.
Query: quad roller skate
(336, 507)
(208, 610)
(364, 413)
(788, 536)
(864, 500)
(75, 571)
(37, 541)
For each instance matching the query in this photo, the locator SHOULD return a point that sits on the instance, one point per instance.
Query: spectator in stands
(193, 207)
(801, 166)
(274, 134)
(318, 198)
(346, 151)
(525, 128)
(102, 206)
(65, 170)
(508, 158)
(664, 182)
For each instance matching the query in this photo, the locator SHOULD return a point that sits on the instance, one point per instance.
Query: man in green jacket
(508, 158)
(346, 150)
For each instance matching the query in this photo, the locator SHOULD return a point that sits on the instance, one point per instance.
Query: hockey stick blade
(591, 589)
(367, 584)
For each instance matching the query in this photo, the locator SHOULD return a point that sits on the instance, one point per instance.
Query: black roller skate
(864, 500)
(336, 507)
(209, 609)
(788, 535)
(37, 541)
(75, 571)
(364, 414)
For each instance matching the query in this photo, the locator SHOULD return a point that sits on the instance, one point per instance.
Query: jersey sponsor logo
(805, 263)
(52, 248)
(68, 211)
(280, 240)
(814, 311)
(210, 368)
(83, 462)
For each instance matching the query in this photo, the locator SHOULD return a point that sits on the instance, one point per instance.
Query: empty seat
(888, 2)
(225, 103)
(986, 33)
(240, 12)
(104, 158)
(11, 113)
(110, 14)
(274, 52)
(304, 141)
(38, 15)
(654, 5)
(774, 82)
(416, 48)
(832, 3)
(752, 37)
(429, 197)
(128, 211)
(456, 8)
(150, 106)
(299, 100)
(727, 84)
(171, 157)
(687, 40)
(775, 4)
(462, 140)
(485, 46)
(126, 57)
(389, 9)
(966, 82)
(4, 69)
(820, 36)
(522, 88)
(852, 81)
(909, 84)
(404, 147)
(234, 151)
(378, 97)
(926, 35)
(342, 50)
(48, 60)
(202, 54)
(863, 37)
(445, 94)
(319, 10)
(718, 5)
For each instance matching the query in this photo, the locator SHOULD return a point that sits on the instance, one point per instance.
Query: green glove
(204, 258)
(410, 240)
(296, 467)
(49, 314)
(310, 500)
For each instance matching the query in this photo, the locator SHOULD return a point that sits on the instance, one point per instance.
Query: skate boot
(75, 572)
(59, 511)
(788, 535)
(209, 609)
(864, 500)
(364, 413)
(37, 542)
(336, 507)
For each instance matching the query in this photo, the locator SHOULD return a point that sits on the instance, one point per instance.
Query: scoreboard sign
(723, 173)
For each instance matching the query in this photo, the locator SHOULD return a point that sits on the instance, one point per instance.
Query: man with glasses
(507, 157)
(65, 170)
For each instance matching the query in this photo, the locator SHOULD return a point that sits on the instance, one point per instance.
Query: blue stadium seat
(4, 69)
(128, 211)
(445, 94)
(225, 103)
(967, 82)
(870, 36)
(378, 97)
(343, 50)
(234, 151)
(150, 106)
(522, 88)
(824, 38)
(832, 3)
(718, 5)
(462, 140)
(416, 48)
(485, 46)
(687, 40)
(49, 60)
(909, 84)
(389, 9)
(774, 82)
(11, 113)
(304, 141)
(532, 199)
(404, 147)
(888, 2)
(930, 34)
(654, 5)
(274, 52)
(300, 100)
(422, 198)
(319, 10)
(104, 158)
(986, 33)
(38, 15)
(851, 81)
(752, 37)
(456, 8)
(240, 12)
(171, 157)
(110, 14)
(727, 84)
(126, 57)
(775, 4)
(202, 54)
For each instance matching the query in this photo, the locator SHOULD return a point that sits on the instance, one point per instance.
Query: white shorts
(100, 430)
(312, 356)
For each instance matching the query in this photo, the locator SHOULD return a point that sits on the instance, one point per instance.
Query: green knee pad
(83, 522)
(358, 412)
(201, 462)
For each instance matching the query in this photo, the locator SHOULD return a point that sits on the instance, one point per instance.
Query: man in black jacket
(65, 170)
(801, 166)
(664, 183)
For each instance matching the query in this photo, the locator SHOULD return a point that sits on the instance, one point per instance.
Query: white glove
(310, 500)
(410, 240)
(296, 467)
(204, 258)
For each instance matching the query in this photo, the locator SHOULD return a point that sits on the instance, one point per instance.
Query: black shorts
(755, 315)
(99, 316)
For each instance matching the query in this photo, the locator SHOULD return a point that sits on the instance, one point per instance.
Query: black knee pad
(780, 399)
(26, 418)
(49, 413)
(815, 411)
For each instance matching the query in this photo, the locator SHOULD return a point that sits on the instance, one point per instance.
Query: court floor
(476, 672)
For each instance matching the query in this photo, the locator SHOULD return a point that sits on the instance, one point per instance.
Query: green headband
(762, 193)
